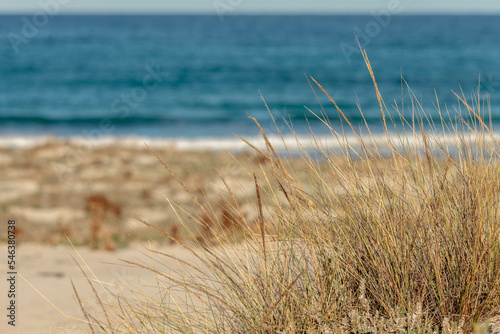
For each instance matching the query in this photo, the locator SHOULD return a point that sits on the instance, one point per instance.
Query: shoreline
(231, 144)
(179, 143)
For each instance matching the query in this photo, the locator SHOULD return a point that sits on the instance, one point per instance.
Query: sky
(251, 6)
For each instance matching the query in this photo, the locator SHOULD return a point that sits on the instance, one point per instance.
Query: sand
(46, 186)
(50, 269)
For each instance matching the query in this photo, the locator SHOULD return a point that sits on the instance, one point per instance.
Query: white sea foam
(183, 144)
(288, 142)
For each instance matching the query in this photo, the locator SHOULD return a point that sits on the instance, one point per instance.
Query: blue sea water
(200, 76)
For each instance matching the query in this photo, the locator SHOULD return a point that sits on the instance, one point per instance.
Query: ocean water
(200, 76)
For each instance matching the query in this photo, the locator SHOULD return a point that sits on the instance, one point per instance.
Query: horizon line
(249, 13)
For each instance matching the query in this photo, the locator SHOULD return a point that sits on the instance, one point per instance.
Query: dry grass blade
(293, 206)
(205, 261)
(268, 314)
(379, 96)
(277, 160)
(84, 311)
(335, 104)
(101, 304)
(262, 233)
(196, 291)
(179, 181)
(261, 218)
(255, 148)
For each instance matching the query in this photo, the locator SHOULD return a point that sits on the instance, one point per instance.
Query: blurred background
(84, 84)
(196, 69)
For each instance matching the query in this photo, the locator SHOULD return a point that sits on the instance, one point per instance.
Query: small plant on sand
(97, 206)
(390, 233)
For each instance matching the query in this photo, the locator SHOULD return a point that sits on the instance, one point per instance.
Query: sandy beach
(49, 190)
(46, 302)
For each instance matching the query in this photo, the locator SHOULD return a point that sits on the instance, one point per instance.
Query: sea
(199, 78)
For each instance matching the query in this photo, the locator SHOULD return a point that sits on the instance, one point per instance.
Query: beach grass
(396, 232)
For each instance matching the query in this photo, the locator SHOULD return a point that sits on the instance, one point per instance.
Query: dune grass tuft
(396, 232)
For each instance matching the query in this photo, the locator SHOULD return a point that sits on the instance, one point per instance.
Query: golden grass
(385, 235)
